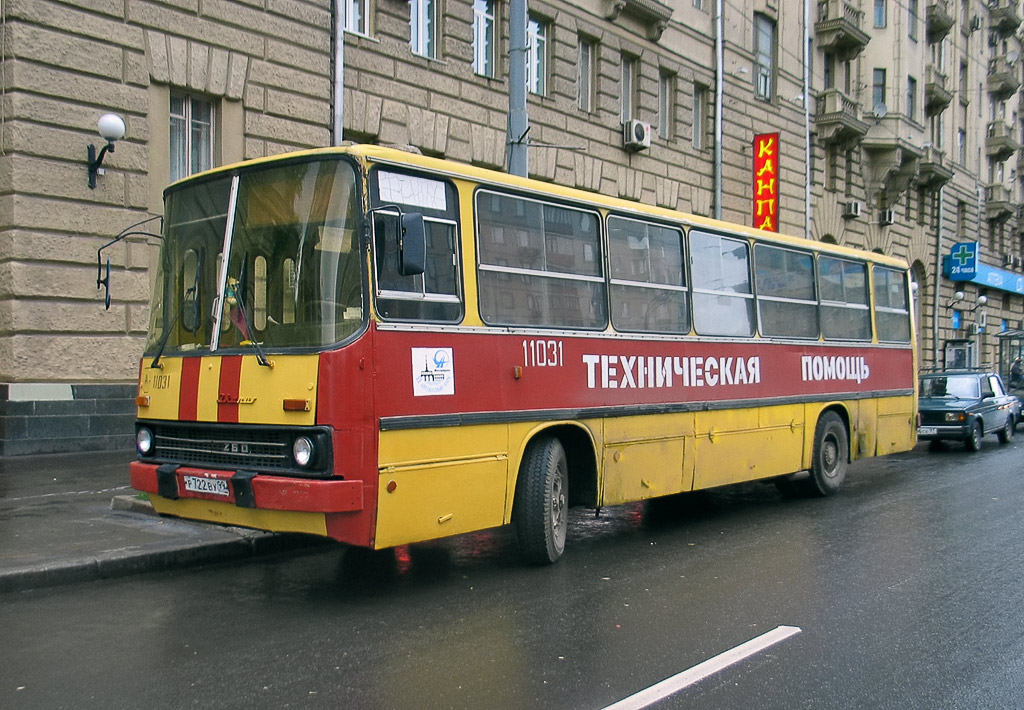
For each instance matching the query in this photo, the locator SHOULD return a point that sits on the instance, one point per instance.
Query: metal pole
(807, 119)
(337, 129)
(518, 120)
(719, 79)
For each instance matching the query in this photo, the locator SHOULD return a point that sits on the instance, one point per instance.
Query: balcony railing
(938, 20)
(1003, 76)
(838, 118)
(999, 141)
(1004, 16)
(839, 28)
(936, 96)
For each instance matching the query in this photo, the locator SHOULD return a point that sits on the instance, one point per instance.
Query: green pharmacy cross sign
(963, 261)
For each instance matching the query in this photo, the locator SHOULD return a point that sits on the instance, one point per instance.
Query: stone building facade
(898, 125)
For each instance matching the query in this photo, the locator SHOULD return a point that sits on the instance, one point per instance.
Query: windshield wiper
(246, 327)
(174, 321)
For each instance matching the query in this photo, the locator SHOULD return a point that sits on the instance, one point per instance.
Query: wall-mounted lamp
(111, 128)
(959, 296)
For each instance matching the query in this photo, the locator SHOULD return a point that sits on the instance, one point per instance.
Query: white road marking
(699, 672)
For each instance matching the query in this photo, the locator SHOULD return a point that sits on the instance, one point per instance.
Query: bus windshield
(292, 276)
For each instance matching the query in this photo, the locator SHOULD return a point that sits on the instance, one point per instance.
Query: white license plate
(927, 431)
(199, 484)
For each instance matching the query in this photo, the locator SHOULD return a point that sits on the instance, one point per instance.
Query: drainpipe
(719, 79)
(938, 277)
(807, 119)
(518, 121)
(338, 118)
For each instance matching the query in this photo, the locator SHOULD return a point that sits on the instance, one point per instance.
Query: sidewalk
(72, 517)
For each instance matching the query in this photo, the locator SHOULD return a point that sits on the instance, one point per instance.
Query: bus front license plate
(198, 484)
(927, 431)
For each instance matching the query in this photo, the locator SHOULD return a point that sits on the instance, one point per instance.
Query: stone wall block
(198, 67)
(72, 53)
(587, 171)
(487, 147)
(177, 59)
(158, 57)
(666, 193)
(363, 113)
(238, 70)
(217, 78)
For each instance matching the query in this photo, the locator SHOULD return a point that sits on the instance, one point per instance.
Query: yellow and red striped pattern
(230, 389)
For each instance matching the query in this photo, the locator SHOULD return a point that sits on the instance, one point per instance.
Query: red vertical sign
(766, 181)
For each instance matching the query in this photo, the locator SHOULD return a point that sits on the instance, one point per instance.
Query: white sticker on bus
(433, 372)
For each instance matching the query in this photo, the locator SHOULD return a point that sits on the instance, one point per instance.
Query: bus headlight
(144, 441)
(303, 451)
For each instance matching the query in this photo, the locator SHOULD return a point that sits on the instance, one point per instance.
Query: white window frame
(423, 27)
(537, 56)
(484, 37)
(627, 86)
(357, 17)
(666, 105)
(586, 54)
(191, 124)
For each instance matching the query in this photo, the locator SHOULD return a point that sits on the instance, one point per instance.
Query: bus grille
(230, 447)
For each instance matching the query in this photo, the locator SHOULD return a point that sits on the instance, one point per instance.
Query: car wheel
(1006, 433)
(973, 442)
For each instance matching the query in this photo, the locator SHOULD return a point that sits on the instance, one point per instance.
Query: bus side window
(648, 283)
(723, 303)
(786, 301)
(892, 312)
(843, 285)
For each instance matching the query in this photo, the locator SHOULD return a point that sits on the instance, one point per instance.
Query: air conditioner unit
(636, 135)
(852, 209)
(886, 217)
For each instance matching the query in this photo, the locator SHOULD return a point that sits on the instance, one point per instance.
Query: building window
(877, 88)
(764, 57)
(585, 76)
(423, 27)
(938, 131)
(191, 135)
(912, 19)
(537, 57)
(357, 17)
(666, 105)
(627, 86)
(879, 13)
(828, 68)
(700, 115)
(911, 98)
(483, 38)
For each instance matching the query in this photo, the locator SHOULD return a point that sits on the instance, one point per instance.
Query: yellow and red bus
(379, 347)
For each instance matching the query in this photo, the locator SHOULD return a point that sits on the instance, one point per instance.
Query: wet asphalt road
(906, 588)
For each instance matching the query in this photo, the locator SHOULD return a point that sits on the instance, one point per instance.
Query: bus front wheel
(541, 505)
(831, 456)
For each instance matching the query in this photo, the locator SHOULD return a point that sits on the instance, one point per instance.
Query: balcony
(1003, 77)
(932, 171)
(1004, 16)
(936, 94)
(838, 118)
(653, 15)
(839, 29)
(893, 161)
(999, 141)
(938, 20)
(999, 206)
(1019, 226)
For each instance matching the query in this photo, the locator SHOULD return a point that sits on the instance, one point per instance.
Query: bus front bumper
(246, 489)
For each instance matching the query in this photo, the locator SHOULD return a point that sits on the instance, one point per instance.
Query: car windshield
(961, 386)
(292, 277)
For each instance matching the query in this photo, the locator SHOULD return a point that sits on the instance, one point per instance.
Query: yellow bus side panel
(292, 377)
(161, 386)
(896, 425)
(643, 457)
(746, 444)
(425, 493)
(209, 389)
(230, 514)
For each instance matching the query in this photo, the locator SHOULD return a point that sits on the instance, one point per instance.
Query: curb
(112, 564)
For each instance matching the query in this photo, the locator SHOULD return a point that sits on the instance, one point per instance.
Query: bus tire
(831, 456)
(541, 504)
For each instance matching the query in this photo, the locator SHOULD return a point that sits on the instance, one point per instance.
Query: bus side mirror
(412, 245)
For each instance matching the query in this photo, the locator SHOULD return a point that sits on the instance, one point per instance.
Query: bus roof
(454, 169)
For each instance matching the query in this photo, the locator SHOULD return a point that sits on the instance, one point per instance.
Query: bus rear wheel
(541, 505)
(831, 456)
